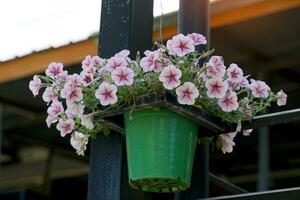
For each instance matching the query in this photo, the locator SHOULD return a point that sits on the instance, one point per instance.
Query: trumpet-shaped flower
(187, 93)
(197, 38)
(115, 62)
(216, 67)
(79, 141)
(122, 54)
(50, 120)
(65, 127)
(50, 94)
(106, 93)
(180, 45)
(229, 102)
(122, 76)
(216, 88)
(97, 61)
(54, 69)
(88, 65)
(247, 132)
(281, 98)
(235, 74)
(148, 62)
(87, 121)
(55, 109)
(35, 85)
(225, 142)
(170, 77)
(74, 109)
(86, 78)
(259, 89)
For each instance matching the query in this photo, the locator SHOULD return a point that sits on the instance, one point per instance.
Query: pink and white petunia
(123, 54)
(229, 102)
(148, 62)
(180, 45)
(87, 121)
(88, 65)
(65, 127)
(170, 77)
(225, 142)
(234, 73)
(259, 89)
(197, 38)
(281, 98)
(35, 85)
(55, 109)
(50, 120)
(79, 141)
(216, 67)
(74, 95)
(86, 78)
(122, 76)
(187, 93)
(106, 93)
(115, 62)
(97, 61)
(247, 132)
(74, 109)
(244, 82)
(50, 94)
(54, 69)
(216, 88)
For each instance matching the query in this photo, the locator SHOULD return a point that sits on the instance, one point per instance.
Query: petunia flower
(216, 88)
(187, 93)
(225, 142)
(50, 120)
(122, 76)
(74, 95)
(97, 61)
(106, 93)
(149, 61)
(65, 127)
(55, 109)
(216, 67)
(180, 45)
(123, 54)
(197, 38)
(229, 102)
(54, 69)
(35, 85)
(87, 121)
(50, 94)
(115, 62)
(281, 98)
(86, 78)
(235, 74)
(170, 77)
(259, 89)
(79, 141)
(244, 82)
(88, 65)
(74, 109)
(247, 132)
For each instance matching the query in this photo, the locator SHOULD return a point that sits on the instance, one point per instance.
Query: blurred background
(262, 36)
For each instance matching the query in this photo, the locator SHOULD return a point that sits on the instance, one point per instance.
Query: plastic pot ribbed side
(160, 150)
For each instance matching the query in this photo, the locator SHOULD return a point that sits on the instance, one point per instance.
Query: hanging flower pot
(160, 150)
(160, 143)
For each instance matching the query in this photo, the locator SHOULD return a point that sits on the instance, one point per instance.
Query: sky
(34, 25)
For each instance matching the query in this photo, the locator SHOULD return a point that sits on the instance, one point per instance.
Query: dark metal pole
(194, 16)
(263, 175)
(125, 24)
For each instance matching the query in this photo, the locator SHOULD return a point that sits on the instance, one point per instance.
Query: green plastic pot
(160, 150)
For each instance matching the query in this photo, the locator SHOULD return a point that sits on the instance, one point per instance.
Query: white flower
(79, 142)
(281, 98)
(87, 121)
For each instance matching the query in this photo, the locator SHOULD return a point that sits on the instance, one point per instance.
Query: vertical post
(263, 174)
(125, 24)
(194, 16)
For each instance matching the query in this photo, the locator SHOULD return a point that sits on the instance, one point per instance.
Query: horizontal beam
(290, 194)
(69, 55)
